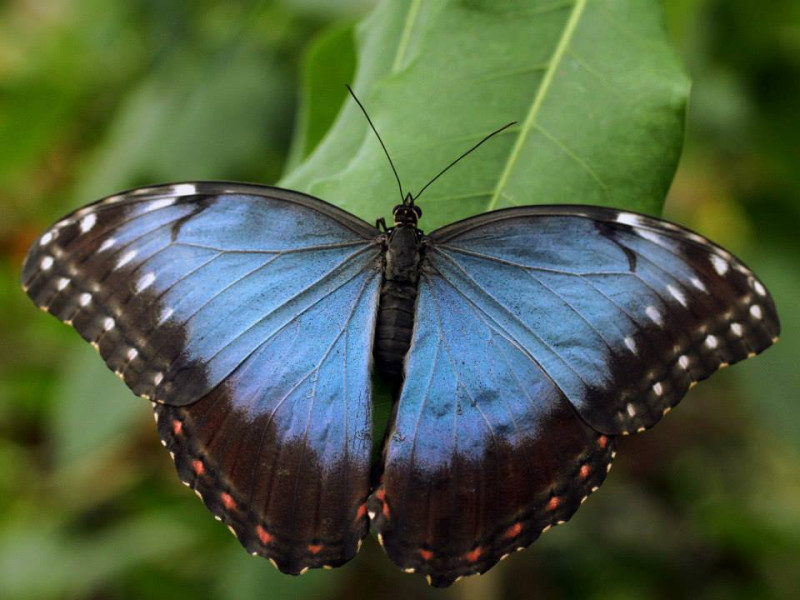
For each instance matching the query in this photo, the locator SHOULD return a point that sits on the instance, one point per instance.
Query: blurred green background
(98, 96)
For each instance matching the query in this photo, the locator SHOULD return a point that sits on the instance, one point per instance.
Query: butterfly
(522, 342)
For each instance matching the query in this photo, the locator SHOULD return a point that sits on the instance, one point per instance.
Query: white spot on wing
(630, 344)
(737, 330)
(649, 235)
(107, 244)
(711, 341)
(46, 263)
(720, 265)
(698, 284)
(683, 361)
(46, 238)
(631, 410)
(677, 294)
(126, 258)
(88, 222)
(62, 283)
(163, 203)
(132, 353)
(658, 388)
(108, 324)
(184, 189)
(755, 310)
(84, 299)
(697, 238)
(145, 281)
(166, 313)
(628, 219)
(654, 315)
(158, 378)
(759, 288)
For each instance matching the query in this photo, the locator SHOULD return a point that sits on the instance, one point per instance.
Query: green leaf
(94, 413)
(209, 127)
(246, 578)
(328, 63)
(771, 381)
(597, 91)
(43, 560)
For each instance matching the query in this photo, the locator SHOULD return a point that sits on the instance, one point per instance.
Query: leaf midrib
(405, 35)
(530, 119)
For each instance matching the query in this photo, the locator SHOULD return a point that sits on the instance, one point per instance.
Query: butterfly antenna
(475, 147)
(378, 135)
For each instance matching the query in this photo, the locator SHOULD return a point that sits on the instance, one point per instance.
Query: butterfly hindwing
(280, 450)
(485, 451)
(246, 313)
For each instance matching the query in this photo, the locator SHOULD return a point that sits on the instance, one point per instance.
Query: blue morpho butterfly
(522, 342)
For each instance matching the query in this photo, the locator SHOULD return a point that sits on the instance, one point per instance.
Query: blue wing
(246, 313)
(623, 311)
(541, 333)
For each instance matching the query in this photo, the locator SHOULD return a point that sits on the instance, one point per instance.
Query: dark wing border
(594, 213)
(181, 189)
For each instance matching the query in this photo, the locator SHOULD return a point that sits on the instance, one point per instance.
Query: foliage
(436, 77)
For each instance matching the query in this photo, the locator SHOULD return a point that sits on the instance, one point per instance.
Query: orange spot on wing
(380, 495)
(314, 548)
(198, 467)
(262, 534)
(177, 427)
(602, 441)
(514, 530)
(584, 472)
(425, 554)
(362, 511)
(227, 500)
(474, 555)
(553, 504)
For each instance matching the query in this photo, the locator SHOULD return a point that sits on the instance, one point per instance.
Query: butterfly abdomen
(395, 324)
(398, 300)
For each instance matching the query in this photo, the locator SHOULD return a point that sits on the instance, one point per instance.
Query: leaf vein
(538, 101)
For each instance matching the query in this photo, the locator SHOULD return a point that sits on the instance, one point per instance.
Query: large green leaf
(327, 62)
(597, 91)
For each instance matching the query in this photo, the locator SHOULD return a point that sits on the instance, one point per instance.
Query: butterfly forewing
(624, 312)
(247, 314)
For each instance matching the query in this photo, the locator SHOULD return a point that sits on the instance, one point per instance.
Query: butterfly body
(524, 341)
(403, 250)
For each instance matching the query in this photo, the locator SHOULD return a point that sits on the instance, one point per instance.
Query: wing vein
(504, 309)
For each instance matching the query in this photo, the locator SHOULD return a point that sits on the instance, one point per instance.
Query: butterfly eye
(418, 211)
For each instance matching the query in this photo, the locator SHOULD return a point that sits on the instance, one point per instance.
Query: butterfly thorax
(398, 297)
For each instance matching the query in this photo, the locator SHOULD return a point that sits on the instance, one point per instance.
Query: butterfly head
(406, 213)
